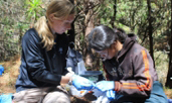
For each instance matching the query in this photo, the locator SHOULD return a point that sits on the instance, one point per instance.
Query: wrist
(118, 86)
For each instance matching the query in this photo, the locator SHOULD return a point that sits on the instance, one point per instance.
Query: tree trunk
(150, 30)
(89, 23)
(170, 61)
(113, 18)
(169, 75)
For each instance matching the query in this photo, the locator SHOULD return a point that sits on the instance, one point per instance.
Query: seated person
(43, 60)
(128, 66)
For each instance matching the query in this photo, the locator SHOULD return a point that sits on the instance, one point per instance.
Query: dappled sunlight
(161, 62)
(168, 92)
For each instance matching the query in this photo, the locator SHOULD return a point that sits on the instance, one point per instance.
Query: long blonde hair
(60, 9)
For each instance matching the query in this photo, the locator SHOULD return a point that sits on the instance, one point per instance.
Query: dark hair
(101, 37)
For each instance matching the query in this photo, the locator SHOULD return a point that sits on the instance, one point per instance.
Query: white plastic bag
(81, 67)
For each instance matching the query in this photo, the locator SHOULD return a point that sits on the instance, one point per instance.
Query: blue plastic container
(1, 70)
(94, 76)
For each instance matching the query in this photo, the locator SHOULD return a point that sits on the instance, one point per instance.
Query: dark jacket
(41, 68)
(132, 70)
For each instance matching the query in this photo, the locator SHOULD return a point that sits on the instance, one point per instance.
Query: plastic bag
(75, 61)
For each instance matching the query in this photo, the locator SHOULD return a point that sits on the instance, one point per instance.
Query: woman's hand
(82, 83)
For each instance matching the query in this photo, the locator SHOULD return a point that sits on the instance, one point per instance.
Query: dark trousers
(157, 96)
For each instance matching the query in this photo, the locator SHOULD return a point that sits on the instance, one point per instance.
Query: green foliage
(34, 9)
(14, 23)
(105, 12)
(10, 16)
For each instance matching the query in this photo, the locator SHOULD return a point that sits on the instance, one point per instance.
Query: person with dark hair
(128, 66)
(43, 59)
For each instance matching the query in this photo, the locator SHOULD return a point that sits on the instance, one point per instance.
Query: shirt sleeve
(32, 52)
(142, 83)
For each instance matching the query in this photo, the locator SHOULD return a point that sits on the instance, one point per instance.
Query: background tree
(113, 18)
(150, 29)
(169, 75)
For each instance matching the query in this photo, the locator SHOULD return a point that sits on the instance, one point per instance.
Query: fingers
(110, 95)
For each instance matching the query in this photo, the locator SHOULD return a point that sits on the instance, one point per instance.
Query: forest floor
(8, 79)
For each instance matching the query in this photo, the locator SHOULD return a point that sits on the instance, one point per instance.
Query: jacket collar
(130, 40)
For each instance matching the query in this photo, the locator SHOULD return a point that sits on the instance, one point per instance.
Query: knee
(56, 97)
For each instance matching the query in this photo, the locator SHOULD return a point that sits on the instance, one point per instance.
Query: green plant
(34, 9)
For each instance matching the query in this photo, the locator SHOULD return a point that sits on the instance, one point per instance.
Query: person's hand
(110, 94)
(81, 83)
(105, 85)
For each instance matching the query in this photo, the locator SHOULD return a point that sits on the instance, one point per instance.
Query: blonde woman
(43, 62)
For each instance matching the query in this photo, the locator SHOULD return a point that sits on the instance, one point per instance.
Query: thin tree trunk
(72, 31)
(169, 75)
(170, 57)
(113, 18)
(150, 29)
